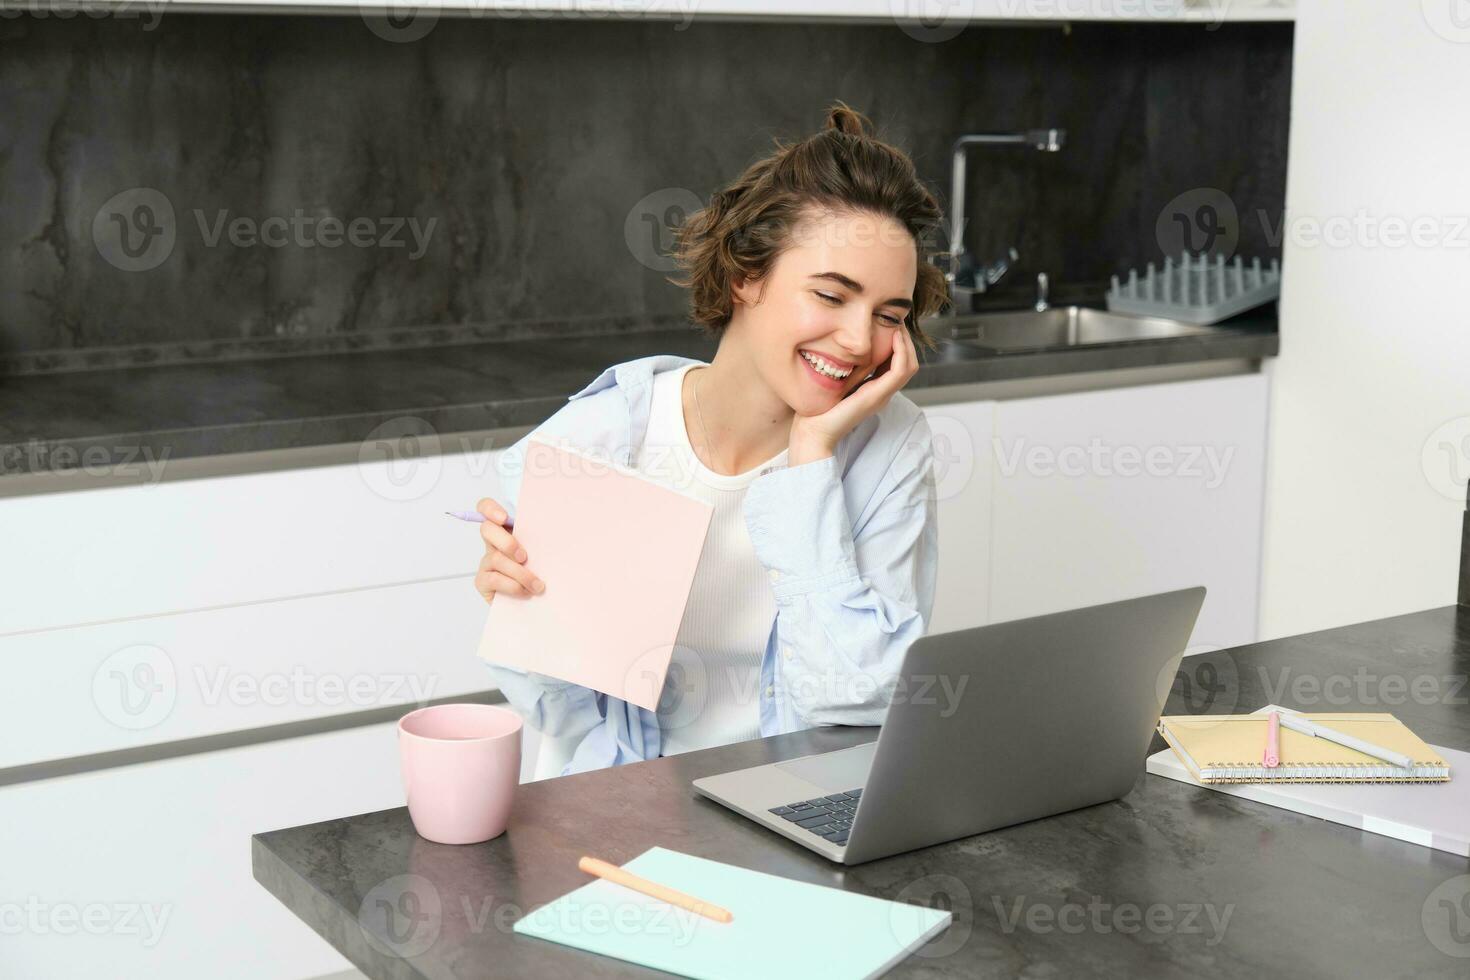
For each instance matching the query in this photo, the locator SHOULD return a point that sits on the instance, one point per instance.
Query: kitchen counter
(98, 419)
(1171, 880)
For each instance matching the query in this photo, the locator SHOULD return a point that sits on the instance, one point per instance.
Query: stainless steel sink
(1061, 326)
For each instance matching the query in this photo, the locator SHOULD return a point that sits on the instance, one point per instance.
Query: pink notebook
(617, 551)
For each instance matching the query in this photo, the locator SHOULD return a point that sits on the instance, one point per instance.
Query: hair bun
(845, 119)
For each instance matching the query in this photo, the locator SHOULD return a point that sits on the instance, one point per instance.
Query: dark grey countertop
(96, 419)
(1169, 881)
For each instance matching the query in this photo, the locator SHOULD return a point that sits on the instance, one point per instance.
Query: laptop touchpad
(835, 772)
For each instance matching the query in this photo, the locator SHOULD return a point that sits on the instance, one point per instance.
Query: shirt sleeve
(850, 599)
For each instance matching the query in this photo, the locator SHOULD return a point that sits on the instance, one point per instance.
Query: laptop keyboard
(829, 817)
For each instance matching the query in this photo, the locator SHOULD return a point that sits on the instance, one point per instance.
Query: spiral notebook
(1430, 814)
(1228, 749)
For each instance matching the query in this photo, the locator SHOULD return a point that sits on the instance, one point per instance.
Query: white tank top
(711, 696)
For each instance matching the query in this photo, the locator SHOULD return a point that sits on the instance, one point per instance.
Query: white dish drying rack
(1196, 289)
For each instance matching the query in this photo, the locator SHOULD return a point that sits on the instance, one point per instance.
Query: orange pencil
(615, 874)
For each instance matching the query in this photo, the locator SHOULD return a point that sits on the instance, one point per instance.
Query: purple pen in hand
(475, 517)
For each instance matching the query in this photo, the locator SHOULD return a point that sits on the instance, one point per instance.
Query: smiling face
(828, 312)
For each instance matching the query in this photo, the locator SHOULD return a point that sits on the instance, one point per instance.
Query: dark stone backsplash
(530, 161)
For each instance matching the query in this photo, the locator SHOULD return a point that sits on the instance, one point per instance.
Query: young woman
(819, 565)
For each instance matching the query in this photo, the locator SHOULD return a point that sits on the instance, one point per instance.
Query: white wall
(1370, 422)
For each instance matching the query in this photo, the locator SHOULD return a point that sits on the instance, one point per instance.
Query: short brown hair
(748, 224)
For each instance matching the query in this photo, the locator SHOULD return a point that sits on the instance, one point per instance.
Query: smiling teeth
(823, 367)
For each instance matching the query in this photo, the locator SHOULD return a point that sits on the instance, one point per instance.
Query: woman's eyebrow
(857, 287)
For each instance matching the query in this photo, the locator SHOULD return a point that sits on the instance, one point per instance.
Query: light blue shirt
(850, 544)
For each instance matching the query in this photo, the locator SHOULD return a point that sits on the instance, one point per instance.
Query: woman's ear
(746, 292)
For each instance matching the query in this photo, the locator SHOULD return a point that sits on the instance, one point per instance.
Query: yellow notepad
(1228, 749)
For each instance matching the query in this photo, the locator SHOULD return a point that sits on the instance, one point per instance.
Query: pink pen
(1272, 758)
(475, 517)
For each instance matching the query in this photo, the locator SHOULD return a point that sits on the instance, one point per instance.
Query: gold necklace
(704, 432)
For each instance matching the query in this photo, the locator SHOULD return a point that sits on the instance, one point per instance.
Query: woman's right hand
(503, 568)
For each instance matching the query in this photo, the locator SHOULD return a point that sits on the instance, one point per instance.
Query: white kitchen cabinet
(157, 679)
(144, 871)
(1103, 495)
(962, 478)
(100, 555)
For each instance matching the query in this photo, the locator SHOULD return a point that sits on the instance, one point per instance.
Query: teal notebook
(779, 928)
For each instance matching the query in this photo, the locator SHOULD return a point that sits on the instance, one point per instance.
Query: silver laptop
(988, 727)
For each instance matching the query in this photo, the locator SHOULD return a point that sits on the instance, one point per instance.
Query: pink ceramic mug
(461, 766)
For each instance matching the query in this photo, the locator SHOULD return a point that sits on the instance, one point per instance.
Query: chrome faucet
(965, 278)
(1043, 289)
